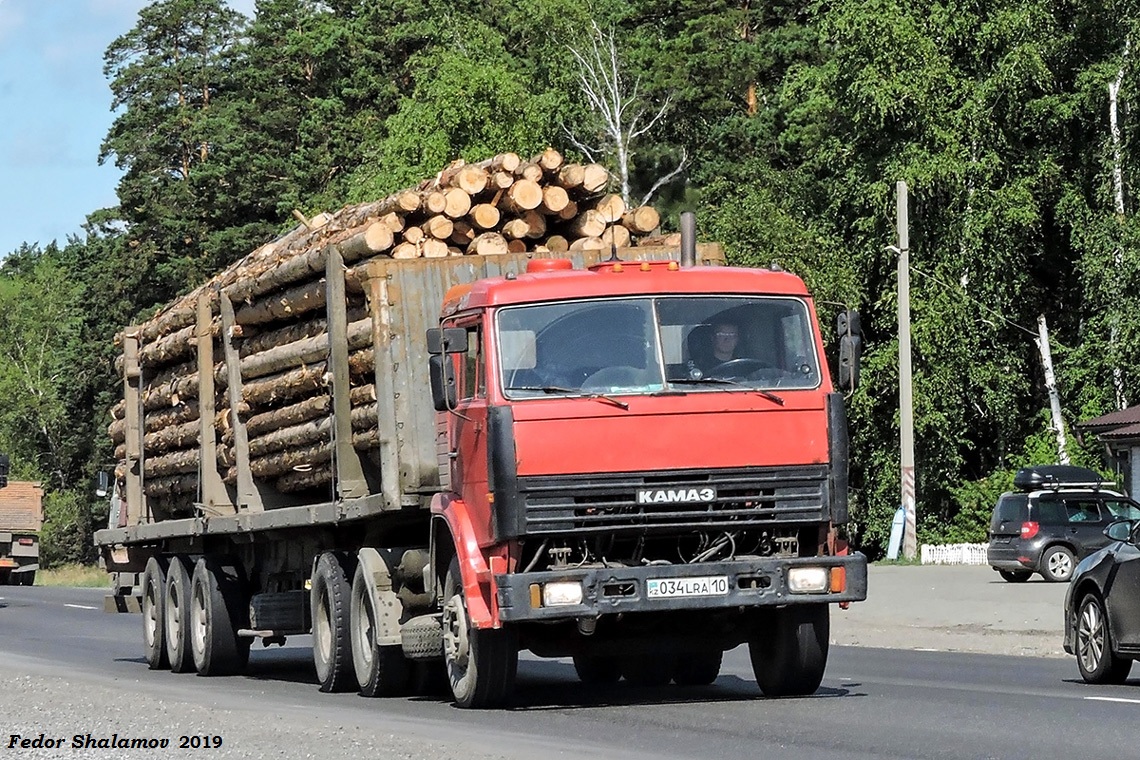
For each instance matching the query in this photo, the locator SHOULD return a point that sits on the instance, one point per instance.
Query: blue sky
(54, 112)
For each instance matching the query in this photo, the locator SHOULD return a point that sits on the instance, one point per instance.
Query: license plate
(671, 588)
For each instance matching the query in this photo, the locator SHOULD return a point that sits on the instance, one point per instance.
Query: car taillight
(1029, 529)
(26, 541)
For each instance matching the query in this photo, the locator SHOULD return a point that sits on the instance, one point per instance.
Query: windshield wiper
(576, 391)
(726, 381)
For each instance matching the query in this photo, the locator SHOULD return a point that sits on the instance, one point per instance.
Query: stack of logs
(501, 205)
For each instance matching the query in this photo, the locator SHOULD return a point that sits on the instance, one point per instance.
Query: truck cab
(645, 463)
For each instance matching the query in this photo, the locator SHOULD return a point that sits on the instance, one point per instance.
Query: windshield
(655, 344)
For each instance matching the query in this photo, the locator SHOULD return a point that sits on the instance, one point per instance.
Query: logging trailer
(544, 457)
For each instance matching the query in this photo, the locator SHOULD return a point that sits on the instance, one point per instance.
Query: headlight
(807, 580)
(561, 593)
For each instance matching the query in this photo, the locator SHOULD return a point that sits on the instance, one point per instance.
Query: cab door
(467, 436)
(1123, 597)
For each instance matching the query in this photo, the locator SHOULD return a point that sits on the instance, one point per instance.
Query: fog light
(807, 580)
(561, 593)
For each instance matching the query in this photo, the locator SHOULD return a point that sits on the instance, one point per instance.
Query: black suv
(1055, 518)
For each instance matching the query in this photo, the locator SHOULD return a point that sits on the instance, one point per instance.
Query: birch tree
(623, 115)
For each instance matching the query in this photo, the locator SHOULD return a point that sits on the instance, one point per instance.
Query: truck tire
(649, 670)
(481, 662)
(176, 615)
(329, 601)
(154, 613)
(697, 668)
(597, 670)
(790, 655)
(381, 671)
(218, 608)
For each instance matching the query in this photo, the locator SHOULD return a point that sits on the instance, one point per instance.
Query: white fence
(954, 554)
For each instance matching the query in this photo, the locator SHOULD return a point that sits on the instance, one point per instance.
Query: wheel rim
(174, 616)
(1060, 565)
(365, 626)
(456, 643)
(322, 630)
(198, 620)
(150, 616)
(1090, 637)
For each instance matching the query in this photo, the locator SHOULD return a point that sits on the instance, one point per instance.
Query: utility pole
(906, 396)
(1051, 386)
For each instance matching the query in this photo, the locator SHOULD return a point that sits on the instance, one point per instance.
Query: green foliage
(69, 525)
(797, 121)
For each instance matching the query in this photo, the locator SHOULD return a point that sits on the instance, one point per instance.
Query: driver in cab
(725, 337)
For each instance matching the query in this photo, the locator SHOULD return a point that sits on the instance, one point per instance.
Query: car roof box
(1056, 476)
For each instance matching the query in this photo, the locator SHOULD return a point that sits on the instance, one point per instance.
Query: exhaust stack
(688, 239)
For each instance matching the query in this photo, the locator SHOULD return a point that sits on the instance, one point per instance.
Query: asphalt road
(67, 668)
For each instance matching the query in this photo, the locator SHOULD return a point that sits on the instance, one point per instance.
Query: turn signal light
(1029, 529)
(838, 580)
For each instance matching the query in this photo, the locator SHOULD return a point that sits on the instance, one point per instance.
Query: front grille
(745, 498)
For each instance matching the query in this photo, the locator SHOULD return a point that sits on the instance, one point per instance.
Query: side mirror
(448, 340)
(850, 348)
(1120, 530)
(442, 372)
(103, 487)
(4, 463)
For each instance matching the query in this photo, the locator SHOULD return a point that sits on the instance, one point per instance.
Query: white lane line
(81, 606)
(1114, 699)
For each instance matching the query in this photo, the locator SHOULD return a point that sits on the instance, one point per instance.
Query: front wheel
(329, 602)
(597, 670)
(1015, 576)
(790, 654)
(1057, 564)
(1098, 663)
(381, 671)
(481, 662)
(697, 668)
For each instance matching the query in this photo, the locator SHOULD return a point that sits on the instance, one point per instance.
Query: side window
(1082, 511)
(1119, 509)
(472, 365)
(1048, 511)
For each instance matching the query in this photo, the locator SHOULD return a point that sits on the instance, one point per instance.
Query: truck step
(422, 637)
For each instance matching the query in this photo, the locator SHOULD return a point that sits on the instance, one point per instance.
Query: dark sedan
(1102, 607)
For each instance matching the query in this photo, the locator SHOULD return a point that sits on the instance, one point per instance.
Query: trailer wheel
(381, 671)
(329, 601)
(789, 657)
(697, 668)
(176, 615)
(648, 669)
(481, 663)
(218, 608)
(597, 670)
(154, 613)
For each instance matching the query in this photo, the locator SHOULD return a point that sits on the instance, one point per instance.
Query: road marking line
(1114, 699)
(81, 606)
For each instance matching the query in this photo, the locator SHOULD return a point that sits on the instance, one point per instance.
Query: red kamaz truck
(637, 459)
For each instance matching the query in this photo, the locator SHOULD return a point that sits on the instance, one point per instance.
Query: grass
(85, 576)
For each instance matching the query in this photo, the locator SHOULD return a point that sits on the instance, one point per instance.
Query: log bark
(461, 232)
(303, 481)
(569, 211)
(286, 386)
(641, 220)
(373, 239)
(174, 346)
(176, 463)
(173, 437)
(304, 351)
(516, 246)
(171, 485)
(263, 341)
(308, 409)
(290, 303)
(317, 430)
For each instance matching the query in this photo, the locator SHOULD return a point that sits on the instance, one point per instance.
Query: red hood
(675, 432)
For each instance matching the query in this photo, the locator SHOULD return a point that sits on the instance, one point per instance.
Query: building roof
(1112, 420)
(21, 506)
